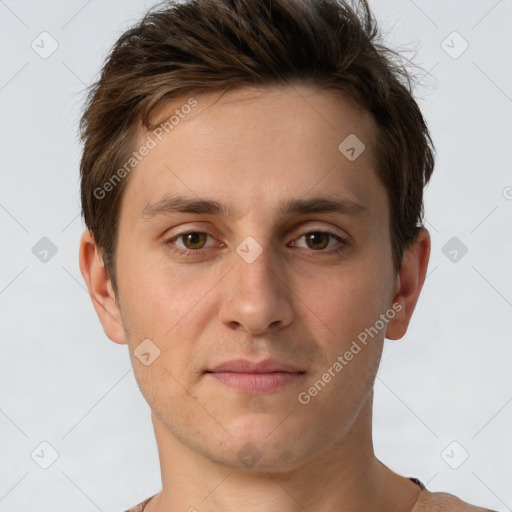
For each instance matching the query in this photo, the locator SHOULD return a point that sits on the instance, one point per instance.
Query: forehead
(251, 147)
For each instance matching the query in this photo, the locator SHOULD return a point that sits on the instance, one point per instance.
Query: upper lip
(246, 366)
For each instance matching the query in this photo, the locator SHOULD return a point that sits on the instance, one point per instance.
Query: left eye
(319, 240)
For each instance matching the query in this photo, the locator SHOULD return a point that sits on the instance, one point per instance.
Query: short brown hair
(186, 46)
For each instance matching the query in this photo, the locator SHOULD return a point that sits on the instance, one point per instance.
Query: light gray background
(62, 381)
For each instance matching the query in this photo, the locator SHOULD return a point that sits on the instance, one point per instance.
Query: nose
(256, 295)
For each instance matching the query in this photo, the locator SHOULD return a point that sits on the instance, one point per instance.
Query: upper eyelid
(332, 230)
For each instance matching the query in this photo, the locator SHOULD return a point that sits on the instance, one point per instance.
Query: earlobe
(100, 288)
(408, 284)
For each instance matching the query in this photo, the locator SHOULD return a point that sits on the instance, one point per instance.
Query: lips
(270, 375)
(246, 366)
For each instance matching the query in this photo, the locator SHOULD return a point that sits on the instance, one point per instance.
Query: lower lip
(256, 382)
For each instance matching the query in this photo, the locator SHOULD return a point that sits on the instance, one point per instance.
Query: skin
(254, 149)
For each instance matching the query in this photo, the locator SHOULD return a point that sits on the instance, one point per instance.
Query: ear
(408, 284)
(100, 288)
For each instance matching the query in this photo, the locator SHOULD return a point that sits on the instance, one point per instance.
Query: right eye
(193, 241)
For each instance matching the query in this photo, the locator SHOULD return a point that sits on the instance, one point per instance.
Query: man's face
(257, 282)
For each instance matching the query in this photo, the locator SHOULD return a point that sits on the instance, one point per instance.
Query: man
(252, 186)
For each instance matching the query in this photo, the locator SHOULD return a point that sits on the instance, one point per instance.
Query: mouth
(256, 377)
(256, 382)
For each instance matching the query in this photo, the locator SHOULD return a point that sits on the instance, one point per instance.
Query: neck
(347, 476)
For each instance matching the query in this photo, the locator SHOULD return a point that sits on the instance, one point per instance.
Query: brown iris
(193, 240)
(316, 239)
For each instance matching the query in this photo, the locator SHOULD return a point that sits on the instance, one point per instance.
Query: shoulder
(444, 502)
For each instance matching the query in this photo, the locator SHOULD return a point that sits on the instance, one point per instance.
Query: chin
(266, 443)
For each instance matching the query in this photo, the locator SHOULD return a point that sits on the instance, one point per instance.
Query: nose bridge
(257, 296)
(256, 264)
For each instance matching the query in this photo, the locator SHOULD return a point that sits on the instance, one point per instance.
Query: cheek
(156, 295)
(349, 306)
(172, 309)
(349, 300)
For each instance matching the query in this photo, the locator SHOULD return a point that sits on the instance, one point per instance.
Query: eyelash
(192, 252)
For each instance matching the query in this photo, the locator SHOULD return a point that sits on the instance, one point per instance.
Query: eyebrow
(182, 204)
